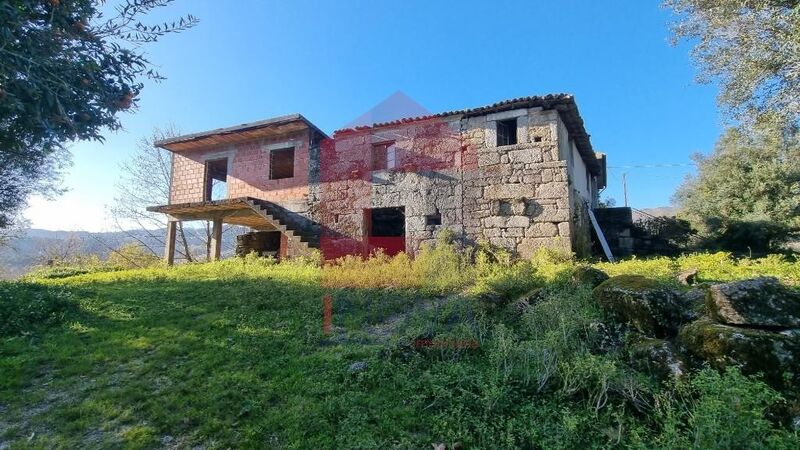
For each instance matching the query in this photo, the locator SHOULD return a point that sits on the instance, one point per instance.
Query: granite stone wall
(518, 197)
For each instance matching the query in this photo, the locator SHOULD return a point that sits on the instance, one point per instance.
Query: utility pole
(625, 187)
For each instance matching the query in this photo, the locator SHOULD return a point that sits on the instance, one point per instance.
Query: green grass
(232, 355)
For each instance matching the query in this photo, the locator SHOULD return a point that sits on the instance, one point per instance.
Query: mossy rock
(646, 305)
(695, 299)
(775, 354)
(656, 356)
(759, 302)
(588, 275)
(687, 277)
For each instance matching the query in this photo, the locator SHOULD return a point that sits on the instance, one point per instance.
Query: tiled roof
(563, 103)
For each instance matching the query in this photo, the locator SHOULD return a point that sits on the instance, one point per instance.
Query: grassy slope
(232, 355)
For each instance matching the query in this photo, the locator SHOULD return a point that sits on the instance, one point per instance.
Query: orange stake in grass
(327, 314)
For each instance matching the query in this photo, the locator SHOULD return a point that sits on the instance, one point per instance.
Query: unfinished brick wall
(248, 172)
(188, 173)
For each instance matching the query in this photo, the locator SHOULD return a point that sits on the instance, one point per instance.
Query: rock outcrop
(589, 275)
(687, 277)
(753, 325)
(775, 354)
(656, 356)
(644, 304)
(760, 302)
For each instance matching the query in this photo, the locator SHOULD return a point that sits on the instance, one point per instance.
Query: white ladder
(600, 235)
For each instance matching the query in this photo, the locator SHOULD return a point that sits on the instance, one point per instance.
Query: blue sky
(332, 61)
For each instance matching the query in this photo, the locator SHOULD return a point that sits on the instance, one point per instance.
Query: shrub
(746, 237)
(132, 256)
(505, 278)
(719, 410)
(437, 269)
(670, 235)
(24, 306)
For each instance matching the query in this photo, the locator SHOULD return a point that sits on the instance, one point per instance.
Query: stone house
(519, 174)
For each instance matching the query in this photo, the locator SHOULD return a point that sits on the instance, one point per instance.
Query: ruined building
(519, 174)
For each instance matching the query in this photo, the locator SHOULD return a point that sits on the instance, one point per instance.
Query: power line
(652, 166)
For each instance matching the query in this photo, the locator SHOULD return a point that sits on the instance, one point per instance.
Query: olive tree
(751, 48)
(67, 71)
(749, 186)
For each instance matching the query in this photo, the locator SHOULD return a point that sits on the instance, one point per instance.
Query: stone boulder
(523, 303)
(588, 275)
(775, 354)
(687, 277)
(656, 356)
(646, 305)
(760, 302)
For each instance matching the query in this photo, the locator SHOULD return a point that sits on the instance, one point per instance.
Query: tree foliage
(750, 47)
(751, 178)
(66, 72)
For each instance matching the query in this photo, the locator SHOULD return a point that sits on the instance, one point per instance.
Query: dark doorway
(216, 186)
(386, 229)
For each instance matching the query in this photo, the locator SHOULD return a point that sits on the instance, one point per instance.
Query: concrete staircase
(295, 226)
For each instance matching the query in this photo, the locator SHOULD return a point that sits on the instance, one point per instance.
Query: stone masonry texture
(520, 197)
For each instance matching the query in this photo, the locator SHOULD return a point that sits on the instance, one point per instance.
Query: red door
(385, 229)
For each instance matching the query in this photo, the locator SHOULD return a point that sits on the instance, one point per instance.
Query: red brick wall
(248, 171)
(187, 177)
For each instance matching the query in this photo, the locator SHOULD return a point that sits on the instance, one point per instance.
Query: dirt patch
(384, 330)
(22, 422)
(380, 332)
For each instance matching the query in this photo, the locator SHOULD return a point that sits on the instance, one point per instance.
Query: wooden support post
(216, 239)
(169, 245)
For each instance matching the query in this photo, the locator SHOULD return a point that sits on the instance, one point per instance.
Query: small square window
(384, 156)
(507, 132)
(434, 219)
(504, 208)
(281, 163)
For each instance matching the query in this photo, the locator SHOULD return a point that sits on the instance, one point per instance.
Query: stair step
(287, 226)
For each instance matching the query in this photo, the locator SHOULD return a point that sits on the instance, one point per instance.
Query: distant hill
(661, 211)
(25, 252)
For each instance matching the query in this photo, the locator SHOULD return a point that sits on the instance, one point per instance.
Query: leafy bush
(746, 237)
(24, 306)
(504, 278)
(719, 410)
(437, 269)
(132, 256)
(671, 235)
